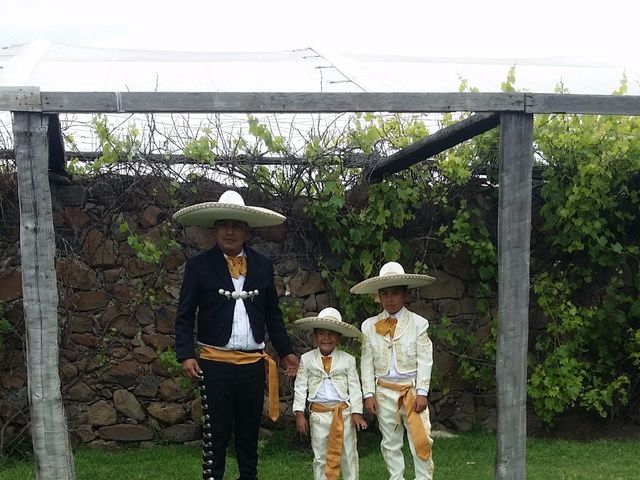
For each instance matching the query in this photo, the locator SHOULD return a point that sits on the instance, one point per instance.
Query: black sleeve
(186, 314)
(274, 321)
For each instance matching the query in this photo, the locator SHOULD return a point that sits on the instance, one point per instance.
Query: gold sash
(244, 358)
(336, 433)
(414, 422)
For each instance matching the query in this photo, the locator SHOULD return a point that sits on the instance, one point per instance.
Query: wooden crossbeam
(433, 144)
(30, 99)
(277, 102)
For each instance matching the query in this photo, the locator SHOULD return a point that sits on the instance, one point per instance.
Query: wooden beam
(27, 99)
(587, 104)
(433, 144)
(514, 231)
(229, 102)
(24, 99)
(55, 142)
(351, 160)
(51, 445)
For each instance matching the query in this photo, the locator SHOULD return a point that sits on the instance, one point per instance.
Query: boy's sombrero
(391, 275)
(330, 319)
(230, 206)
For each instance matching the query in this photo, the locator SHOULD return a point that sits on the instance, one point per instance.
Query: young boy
(328, 379)
(396, 362)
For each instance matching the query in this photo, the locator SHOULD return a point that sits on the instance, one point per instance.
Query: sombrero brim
(204, 214)
(343, 328)
(410, 280)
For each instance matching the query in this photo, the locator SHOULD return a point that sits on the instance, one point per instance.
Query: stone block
(170, 413)
(76, 274)
(183, 432)
(10, 285)
(102, 413)
(127, 404)
(126, 433)
(79, 392)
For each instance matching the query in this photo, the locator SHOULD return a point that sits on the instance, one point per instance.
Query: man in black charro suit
(229, 291)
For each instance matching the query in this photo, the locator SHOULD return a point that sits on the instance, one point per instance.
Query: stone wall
(117, 312)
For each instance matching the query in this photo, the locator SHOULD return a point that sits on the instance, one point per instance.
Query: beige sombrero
(230, 206)
(391, 275)
(329, 318)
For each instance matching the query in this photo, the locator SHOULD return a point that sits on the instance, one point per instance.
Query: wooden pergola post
(514, 232)
(54, 459)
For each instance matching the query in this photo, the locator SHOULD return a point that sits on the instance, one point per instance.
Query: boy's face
(393, 299)
(326, 340)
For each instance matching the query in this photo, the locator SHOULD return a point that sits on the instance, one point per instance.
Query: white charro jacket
(343, 373)
(413, 349)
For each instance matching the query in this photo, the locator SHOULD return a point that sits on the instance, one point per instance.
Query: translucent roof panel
(57, 67)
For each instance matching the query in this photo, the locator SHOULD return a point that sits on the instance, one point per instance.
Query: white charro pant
(393, 436)
(319, 425)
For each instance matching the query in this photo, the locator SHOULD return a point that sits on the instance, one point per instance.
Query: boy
(397, 357)
(328, 379)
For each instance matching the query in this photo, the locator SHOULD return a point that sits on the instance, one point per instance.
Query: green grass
(466, 457)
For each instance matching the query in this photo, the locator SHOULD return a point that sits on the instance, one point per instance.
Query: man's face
(230, 235)
(326, 340)
(393, 299)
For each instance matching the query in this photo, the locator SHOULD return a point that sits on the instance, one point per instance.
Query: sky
(585, 29)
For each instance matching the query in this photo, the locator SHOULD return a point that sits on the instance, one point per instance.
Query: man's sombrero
(391, 275)
(230, 206)
(330, 319)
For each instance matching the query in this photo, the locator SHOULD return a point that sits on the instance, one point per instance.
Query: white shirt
(327, 392)
(241, 334)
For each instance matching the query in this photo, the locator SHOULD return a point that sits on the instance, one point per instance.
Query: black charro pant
(232, 399)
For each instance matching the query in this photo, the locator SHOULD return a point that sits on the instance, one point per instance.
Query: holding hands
(191, 369)
(371, 405)
(302, 425)
(420, 404)
(358, 422)
(291, 363)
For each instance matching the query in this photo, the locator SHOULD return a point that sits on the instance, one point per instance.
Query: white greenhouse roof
(58, 67)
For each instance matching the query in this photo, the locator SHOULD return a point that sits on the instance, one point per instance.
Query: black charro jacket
(205, 274)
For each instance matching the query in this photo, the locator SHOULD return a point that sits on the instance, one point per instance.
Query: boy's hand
(421, 404)
(302, 425)
(358, 422)
(371, 405)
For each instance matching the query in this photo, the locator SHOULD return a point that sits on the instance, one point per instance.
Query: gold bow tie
(387, 326)
(237, 266)
(326, 364)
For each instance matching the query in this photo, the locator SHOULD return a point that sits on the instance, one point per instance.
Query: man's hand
(371, 405)
(421, 404)
(290, 365)
(358, 422)
(191, 369)
(302, 425)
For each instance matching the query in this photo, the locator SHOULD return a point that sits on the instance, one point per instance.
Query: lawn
(469, 456)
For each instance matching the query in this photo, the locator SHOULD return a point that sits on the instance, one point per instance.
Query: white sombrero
(230, 206)
(391, 275)
(330, 319)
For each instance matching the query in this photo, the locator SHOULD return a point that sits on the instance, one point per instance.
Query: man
(230, 291)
